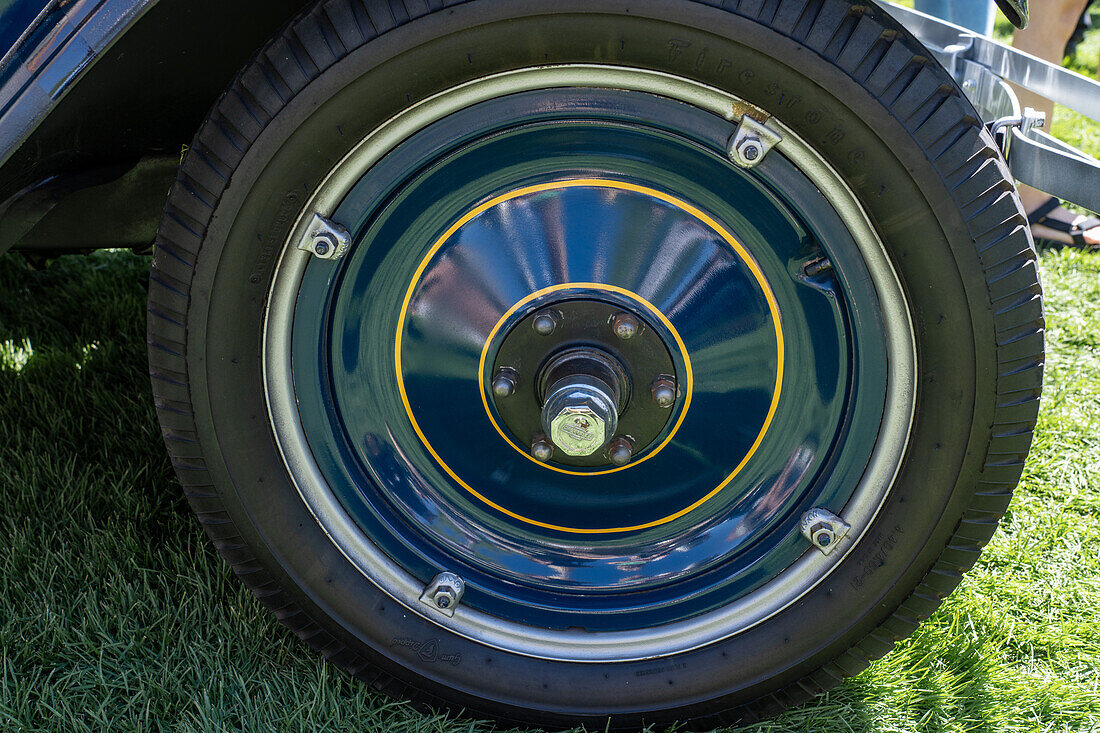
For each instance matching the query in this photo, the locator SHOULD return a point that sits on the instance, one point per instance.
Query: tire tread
(860, 39)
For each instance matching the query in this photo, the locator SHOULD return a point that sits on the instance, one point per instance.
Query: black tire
(844, 77)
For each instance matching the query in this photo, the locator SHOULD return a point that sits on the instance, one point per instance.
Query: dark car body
(97, 100)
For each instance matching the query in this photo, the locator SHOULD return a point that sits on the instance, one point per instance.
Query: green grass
(116, 614)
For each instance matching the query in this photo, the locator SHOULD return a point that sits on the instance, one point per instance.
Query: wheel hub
(581, 376)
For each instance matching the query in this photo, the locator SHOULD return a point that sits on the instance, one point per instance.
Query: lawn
(116, 614)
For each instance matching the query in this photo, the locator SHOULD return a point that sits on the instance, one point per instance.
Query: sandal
(1051, 214)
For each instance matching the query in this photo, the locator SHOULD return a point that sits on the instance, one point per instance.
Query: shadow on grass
(118, 613)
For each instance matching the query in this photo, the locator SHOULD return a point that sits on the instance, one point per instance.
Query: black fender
(96, 104)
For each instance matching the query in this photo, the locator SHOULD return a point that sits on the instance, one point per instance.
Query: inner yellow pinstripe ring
(738, 249)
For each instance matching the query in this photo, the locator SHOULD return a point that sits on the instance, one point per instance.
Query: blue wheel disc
(478, 221)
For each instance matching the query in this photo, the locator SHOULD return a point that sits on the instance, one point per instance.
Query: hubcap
(610, 387)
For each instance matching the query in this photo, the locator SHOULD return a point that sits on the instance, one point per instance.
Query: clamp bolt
(324, 238)
(751, 142)
(823, 529)
(444, 596)
(444, 593)
(750, 148)
(822, 534)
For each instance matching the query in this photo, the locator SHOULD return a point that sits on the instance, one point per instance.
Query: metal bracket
(982, 67)
(325, 239)
(823, 529)
(751, 142)
(1025, 123)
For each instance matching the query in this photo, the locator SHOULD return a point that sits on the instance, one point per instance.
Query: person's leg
(1046, 37)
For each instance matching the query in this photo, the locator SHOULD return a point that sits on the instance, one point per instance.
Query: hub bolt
(504, 384)
(620, 451)
(541, 449)
(664, 391)
(625, 326)
(545, 323)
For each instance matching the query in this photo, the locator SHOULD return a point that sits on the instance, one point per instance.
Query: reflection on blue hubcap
(528, 205)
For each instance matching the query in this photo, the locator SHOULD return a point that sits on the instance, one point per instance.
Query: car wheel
(596, 362)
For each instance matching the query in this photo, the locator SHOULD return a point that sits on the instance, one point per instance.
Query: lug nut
(504, 384)
(625, 326)
(664, 392)
(620, 451)
(545, 323)
(541, 449)
(817, 267)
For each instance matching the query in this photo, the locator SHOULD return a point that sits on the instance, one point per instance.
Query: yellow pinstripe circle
(726, 236)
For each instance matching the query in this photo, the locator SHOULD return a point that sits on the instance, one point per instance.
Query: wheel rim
(405, 495)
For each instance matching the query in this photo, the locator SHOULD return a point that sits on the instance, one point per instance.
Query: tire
(883, 360)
